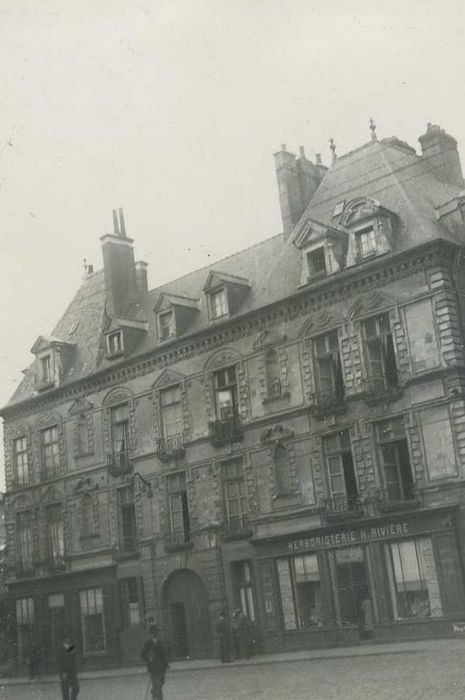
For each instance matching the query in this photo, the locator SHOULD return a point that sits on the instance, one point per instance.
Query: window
(119, 417)
(83, 442)
(171, 411)
(219, 303)
(50, 450)
(20, 461)
(89, 516)
(366, 243)
(328, 367)
(273, 372)
(340, 468)
(130, 606)
(422, 338)
(24, 540)
(92, 620)
(46, 364)
(55, 534)
(166, 325)
(301, 598)
(316, 263)
(115, 343)
(242, 577)
(127, 519)
(413, 579)
(234, 494)
(226, 393)
(24, 625)
(282, 472)
(379, 352)
(397, 474)
(178, 509)
(438, 442)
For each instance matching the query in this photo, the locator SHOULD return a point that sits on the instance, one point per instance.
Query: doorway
(187, 621)
(352, 583)
(179, 630)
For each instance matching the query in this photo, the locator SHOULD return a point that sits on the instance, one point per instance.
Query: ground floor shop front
(392, 578)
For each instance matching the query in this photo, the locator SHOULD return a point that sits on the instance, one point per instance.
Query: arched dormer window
(282, 471)
(371, 228)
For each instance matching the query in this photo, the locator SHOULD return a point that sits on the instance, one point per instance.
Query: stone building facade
(281, 432)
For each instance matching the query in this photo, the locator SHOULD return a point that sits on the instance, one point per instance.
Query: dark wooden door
(187, 618)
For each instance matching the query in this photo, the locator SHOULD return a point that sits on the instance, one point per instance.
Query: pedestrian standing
(367, 627)
(154, 656)
(66, 662)
(224, 635)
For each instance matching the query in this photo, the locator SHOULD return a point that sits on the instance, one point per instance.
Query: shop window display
(299, 582)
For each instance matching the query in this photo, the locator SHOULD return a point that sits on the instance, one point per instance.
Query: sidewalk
(429, 646)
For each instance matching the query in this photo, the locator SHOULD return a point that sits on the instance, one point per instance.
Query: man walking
(154, 656)
(224, 635)
(66, 662)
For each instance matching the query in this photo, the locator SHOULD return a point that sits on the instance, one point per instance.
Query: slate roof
(386, 171)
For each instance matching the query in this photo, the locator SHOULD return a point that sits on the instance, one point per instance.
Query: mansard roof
(386, 171)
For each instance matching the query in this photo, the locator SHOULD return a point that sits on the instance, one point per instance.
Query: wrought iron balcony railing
(178, 539)
(119, 462)
(380, 387)
(341, 507)
(56, 562)
(170, 448)
(397, 499)
(324, 402)
(226, 431)
(25, 567)
(236, 528)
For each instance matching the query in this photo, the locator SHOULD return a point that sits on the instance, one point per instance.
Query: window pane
(287, 594)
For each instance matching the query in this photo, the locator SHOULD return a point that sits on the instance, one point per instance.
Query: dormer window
(371, 228)
(219, 303)
(366, 243)
(316, 263)
(166, 325)
(53, 357)
(46, 365)
(115, 343)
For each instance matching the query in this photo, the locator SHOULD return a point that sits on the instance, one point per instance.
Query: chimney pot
(122, 225)
(115, 223)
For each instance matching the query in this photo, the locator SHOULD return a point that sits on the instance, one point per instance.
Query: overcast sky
(172, 109)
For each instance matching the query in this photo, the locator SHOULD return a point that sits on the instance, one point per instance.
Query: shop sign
(350, 537)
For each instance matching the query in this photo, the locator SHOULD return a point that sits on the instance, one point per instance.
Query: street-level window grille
(380, 355)
(50, 450)
(226, 394)
(55, 534)
(242, 576)
(127, 517)
(397, 472)
(24, 625)
(92, 620)
(21, 461)
(178, 509)
(340, 470)
(130, 606)
(329, 382)
(413, 579)
(24, 541)
(300, 587)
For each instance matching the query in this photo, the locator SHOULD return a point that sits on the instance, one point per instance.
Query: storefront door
(352, 583)
(187, 620)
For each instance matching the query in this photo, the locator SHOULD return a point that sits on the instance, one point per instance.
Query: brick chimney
(119, 267)
(440, 153)
(298, 180)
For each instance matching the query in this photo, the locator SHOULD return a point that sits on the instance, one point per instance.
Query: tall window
(92, 620)
(219, 303)
(413, 579)
(301, 598)
(340, 468)
(226, 393)
(171, 412)
(397, 473)
(178, 509)
(120, 433)
(234, 494)
(282, 472)
(50, 450)
(242, 577)
(379, 351)
(166, 325)
(130, 606)
(24, 625)
(127, 519)
(89, 516)
(316, 263)
(55, 533)
(328, 366)
(24, 540)
(20, 461)
(46, 364)
(83, 442)
(366, 243)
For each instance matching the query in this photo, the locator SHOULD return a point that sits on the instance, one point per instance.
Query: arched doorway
(185, 603)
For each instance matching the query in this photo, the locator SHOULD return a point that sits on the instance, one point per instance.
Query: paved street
(428, 673)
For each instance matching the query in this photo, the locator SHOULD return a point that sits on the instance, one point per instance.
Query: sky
(172, 109)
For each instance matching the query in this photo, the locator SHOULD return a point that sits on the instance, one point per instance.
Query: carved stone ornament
(276, 433)
(267, 339)
(316, 321)
(84, 485)
(367, 303)
(222, 359)
(167, 378)
(80, 405)
(118, 396)
(52, 494)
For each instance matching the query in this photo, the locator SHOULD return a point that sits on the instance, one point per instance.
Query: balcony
(170, 448)
(341, 508)
(56, 563)
(388, 502)
(177, 541)
(236, 528)
(324, 403)
(225, 431)
(25, 568)
(379, 388)
(119, 462)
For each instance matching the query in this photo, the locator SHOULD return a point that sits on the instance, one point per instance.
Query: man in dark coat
(224, 635)
(154, 656)
(66, 662)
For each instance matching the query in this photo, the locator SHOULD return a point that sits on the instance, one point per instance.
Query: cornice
(311, 298)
